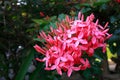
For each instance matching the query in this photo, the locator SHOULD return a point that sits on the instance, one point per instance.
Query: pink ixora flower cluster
(65, 46)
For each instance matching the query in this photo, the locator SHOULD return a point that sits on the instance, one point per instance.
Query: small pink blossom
(65, 46)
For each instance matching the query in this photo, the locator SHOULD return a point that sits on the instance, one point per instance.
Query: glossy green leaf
(61, 16)
(25, 65)
(100, 2)
(35, 74)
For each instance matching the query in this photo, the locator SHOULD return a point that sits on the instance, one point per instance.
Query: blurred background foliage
(21, 21)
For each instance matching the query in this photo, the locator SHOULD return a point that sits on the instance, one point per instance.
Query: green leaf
(61, 16)
(87, 74)
(53, 25)
(85, 5)
(84, 10)
(35, 74)
(53, 18)
(46, 28)
(30, 30)
(25, 65)
(40, 21)
(100, 2)
(36, 39)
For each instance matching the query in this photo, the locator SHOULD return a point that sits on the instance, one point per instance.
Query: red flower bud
(42, 14)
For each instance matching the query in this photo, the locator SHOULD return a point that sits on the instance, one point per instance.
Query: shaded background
(21, 21)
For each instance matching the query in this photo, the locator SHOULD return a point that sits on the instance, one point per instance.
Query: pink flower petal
(79, 15)
(70, 57)
(63, 59)
(59, 70)
(77, 43)
(69, 72)
(57, 61)
(41, 60)
(82, 61)
(76, 68)
(93, 40)
(39, 49)
(64, 46)
(53, 67)
(83, 48)
(83, 41)
(47, 68)
(80, 35)
(91, 51)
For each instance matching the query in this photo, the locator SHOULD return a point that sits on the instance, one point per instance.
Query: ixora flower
(66, 46)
